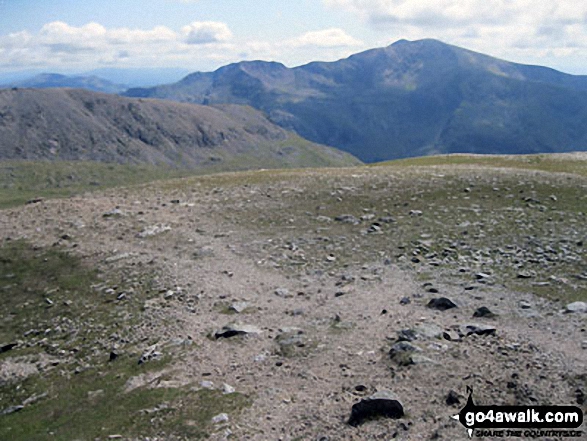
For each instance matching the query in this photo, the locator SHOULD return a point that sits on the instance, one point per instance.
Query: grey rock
(205, 251)
(153, 230)
(576, 307)
(221, 418)
(151, 353)
(11, 409)
(347, 219)
(283, 292)
(478, 329)
(525, 305)
(238, 307)
(428, 330)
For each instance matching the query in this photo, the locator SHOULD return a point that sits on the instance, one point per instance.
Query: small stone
(524, 304)
(347, 219)
(227, 389)
(405, 301)
(576, 307)
(238, 307)
(477, 329)
(441, 304)
(380, 404)
(151, 353)
(482, 276)
(11, 409)
(406, 335)
(232, 330)
(452, 399)
(484, 311)
(428, 330)
(206, 384)
(283, 292)
(221, 418)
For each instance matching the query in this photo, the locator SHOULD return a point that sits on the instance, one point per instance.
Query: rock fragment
(441, 304)
(381, 404)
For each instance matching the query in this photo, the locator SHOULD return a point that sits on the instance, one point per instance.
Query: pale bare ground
(307, 392)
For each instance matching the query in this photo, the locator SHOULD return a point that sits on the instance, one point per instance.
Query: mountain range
(73, 124)
(411, 98)
(53, 80)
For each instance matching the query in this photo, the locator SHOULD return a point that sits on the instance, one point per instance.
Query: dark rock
(8, 347)
(34, 201)
(405, 301)
(452, 398)
(484, 311)
(441, 304)
(232, 330)
(380, 404)
(113, 355)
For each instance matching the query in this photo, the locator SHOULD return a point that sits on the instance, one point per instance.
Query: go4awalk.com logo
(520, 421)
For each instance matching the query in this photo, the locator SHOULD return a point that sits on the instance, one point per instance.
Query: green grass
(79, 336)
(93, 405)
(21, 181)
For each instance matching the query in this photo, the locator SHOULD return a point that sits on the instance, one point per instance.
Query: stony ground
(279, 298)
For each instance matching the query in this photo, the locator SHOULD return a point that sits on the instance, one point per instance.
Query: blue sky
(69, 36)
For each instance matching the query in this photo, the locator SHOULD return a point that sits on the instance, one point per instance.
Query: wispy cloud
(523, 29)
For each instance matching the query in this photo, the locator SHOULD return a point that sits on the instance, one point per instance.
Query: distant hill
(70, 124)
(52, 80)
(408, 99)
(139, 77)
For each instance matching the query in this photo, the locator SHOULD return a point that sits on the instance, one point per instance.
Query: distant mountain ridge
(408, 99)
(53, 80)
(71, 124)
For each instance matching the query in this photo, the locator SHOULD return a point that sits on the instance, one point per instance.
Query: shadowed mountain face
(68, 124)
(408, 99)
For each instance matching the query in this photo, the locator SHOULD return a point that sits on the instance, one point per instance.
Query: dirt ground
(322, 325)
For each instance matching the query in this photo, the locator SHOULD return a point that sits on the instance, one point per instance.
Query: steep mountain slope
(408, 99)
(69, 124)
(52, 80)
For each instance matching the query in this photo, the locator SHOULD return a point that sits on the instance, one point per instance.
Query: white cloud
(333, 37)
(526, 30)
(205, 32)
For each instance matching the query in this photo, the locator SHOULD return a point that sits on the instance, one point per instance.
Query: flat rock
(234, 329)
(283, 293)
(381, 404)
(478, 329)
(576, 307)
(153, 231)
(238, 307)
(428, 330)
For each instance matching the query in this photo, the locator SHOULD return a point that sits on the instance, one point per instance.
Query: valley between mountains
(262, 305)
